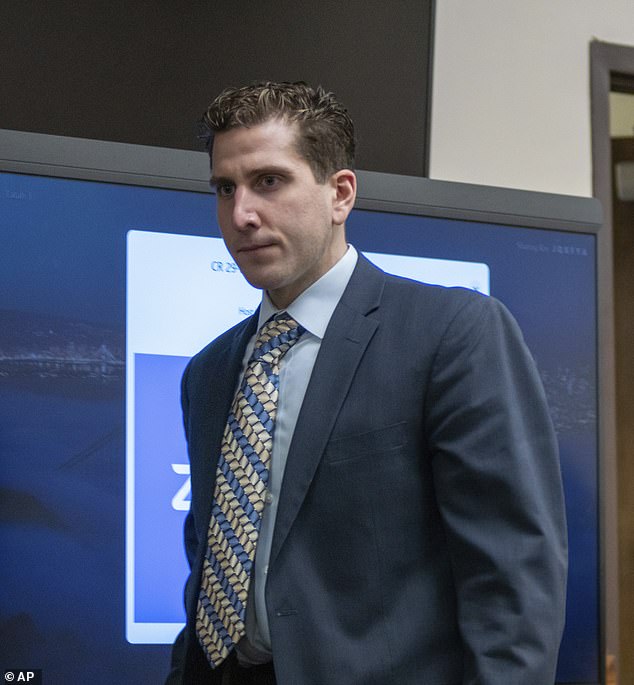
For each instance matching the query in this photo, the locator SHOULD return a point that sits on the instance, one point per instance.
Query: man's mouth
(255, 247)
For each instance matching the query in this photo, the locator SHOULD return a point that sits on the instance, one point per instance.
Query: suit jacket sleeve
(498, 484)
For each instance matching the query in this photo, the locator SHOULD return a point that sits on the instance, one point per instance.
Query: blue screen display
(94, 482)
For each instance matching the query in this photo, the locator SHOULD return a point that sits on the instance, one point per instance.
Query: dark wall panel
(142, 72)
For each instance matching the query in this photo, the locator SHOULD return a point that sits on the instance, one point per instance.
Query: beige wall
(511, 93)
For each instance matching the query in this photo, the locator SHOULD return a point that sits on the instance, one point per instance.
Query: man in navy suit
(413, 523)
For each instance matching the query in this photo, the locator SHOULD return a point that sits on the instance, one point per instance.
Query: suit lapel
(218, 383)
(224, 378)
(344, 344)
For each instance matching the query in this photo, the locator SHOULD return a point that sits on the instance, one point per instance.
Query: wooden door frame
(609, 64)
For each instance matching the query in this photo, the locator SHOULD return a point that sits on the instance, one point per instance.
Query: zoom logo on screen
(181, 500)
(182, 292)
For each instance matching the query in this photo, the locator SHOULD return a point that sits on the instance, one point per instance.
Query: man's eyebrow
(217, 180)
(254, 173)
(271, 169)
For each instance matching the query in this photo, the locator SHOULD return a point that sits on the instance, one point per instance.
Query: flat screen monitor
(113, 274)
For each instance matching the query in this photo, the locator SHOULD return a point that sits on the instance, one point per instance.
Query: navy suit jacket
(420, 536)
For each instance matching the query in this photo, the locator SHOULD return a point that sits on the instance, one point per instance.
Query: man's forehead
(272, 139)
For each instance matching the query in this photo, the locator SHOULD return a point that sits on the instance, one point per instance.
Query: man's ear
(344, 185)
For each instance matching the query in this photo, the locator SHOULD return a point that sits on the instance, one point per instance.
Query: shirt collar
(314, 307)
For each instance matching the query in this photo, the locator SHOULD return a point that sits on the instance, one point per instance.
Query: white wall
(511, 90)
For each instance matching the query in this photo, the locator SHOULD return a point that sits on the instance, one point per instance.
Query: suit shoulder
(445, 313)
(438, 298)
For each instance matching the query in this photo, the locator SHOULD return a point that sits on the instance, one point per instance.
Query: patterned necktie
(241, 480)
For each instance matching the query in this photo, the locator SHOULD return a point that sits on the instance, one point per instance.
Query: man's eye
(269, 181)
(224, 189)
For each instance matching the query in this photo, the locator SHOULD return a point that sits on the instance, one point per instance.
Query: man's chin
(261, 281)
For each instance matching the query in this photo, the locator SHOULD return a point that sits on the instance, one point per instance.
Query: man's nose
(245, 213)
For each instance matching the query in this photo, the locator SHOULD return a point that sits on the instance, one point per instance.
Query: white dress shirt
(312, 309)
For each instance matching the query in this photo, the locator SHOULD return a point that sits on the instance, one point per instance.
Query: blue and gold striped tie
(241, 480)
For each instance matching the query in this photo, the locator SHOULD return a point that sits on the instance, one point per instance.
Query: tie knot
(276, 336)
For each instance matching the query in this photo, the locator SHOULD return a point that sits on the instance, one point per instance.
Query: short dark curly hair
(326, 132)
